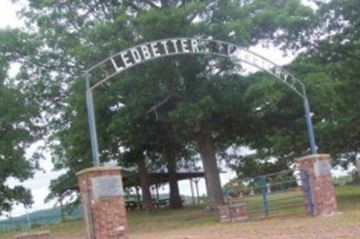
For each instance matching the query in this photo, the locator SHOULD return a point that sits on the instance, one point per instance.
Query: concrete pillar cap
(98, 169)
(314, 157)
(32, 234)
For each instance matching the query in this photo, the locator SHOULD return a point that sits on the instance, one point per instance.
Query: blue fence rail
(273, 195)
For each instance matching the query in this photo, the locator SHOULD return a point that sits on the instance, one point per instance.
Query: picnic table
(132, 204)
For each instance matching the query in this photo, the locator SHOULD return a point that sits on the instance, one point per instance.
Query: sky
(8, 14)
(40, 182)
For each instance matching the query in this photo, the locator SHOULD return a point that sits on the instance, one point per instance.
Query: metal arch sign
(139, 54)
(128, 58)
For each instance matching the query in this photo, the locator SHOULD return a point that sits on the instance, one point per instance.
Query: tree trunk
(192, 191)
(213, 185)
(145, 187)
(175, 199)
(196, 181)
(138, 198)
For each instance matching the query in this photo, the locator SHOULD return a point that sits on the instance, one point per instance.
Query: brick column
(232, 213)
(323, 193)
(101, 193)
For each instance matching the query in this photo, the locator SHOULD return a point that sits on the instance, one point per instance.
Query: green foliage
(337, 52)
(18, 122)
(328, 69)
(76, 34)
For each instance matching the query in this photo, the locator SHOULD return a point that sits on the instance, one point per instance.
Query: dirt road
(292, 228)
(314, 228)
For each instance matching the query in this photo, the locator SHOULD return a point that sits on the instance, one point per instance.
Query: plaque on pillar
(322, 168)
(107, 186)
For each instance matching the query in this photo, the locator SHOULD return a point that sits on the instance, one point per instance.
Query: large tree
(279, 133)
(17, 120)
(327, 66)
(338, 52)
(78, 33)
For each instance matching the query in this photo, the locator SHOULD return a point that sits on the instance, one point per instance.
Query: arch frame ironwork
(148, 51)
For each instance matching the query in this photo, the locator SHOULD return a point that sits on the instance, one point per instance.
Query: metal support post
(28, 221)
(308, 192)
(196, 181)
(92, 125)
(309, 126)
(192, 191)
(264, 192)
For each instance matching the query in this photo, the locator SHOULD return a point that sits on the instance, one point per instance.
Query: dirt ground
(319, 228)
(333, 227)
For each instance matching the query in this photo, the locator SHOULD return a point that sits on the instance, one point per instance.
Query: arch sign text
(139, 54)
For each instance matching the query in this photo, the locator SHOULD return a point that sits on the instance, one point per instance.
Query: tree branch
(131, 4)
(349, 55)
(151, 4)
(171, 96)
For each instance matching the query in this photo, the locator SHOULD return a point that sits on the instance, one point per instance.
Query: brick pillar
(101, 192)
(233, 213)
(323, 193)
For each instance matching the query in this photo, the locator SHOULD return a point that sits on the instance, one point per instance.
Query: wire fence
(54, 220)
(272, 195)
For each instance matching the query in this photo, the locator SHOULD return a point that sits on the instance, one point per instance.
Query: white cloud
(8, 14)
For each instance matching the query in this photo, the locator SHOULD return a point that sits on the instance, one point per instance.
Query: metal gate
(278, 194)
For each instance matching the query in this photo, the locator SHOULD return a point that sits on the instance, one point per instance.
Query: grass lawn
(194, 222)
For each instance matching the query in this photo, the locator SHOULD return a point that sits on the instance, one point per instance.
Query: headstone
(268, 188)
(252, 191)
(241, 194)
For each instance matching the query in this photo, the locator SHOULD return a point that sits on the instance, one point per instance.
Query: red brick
(108, 214)
(322, 187)
(232, 213)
